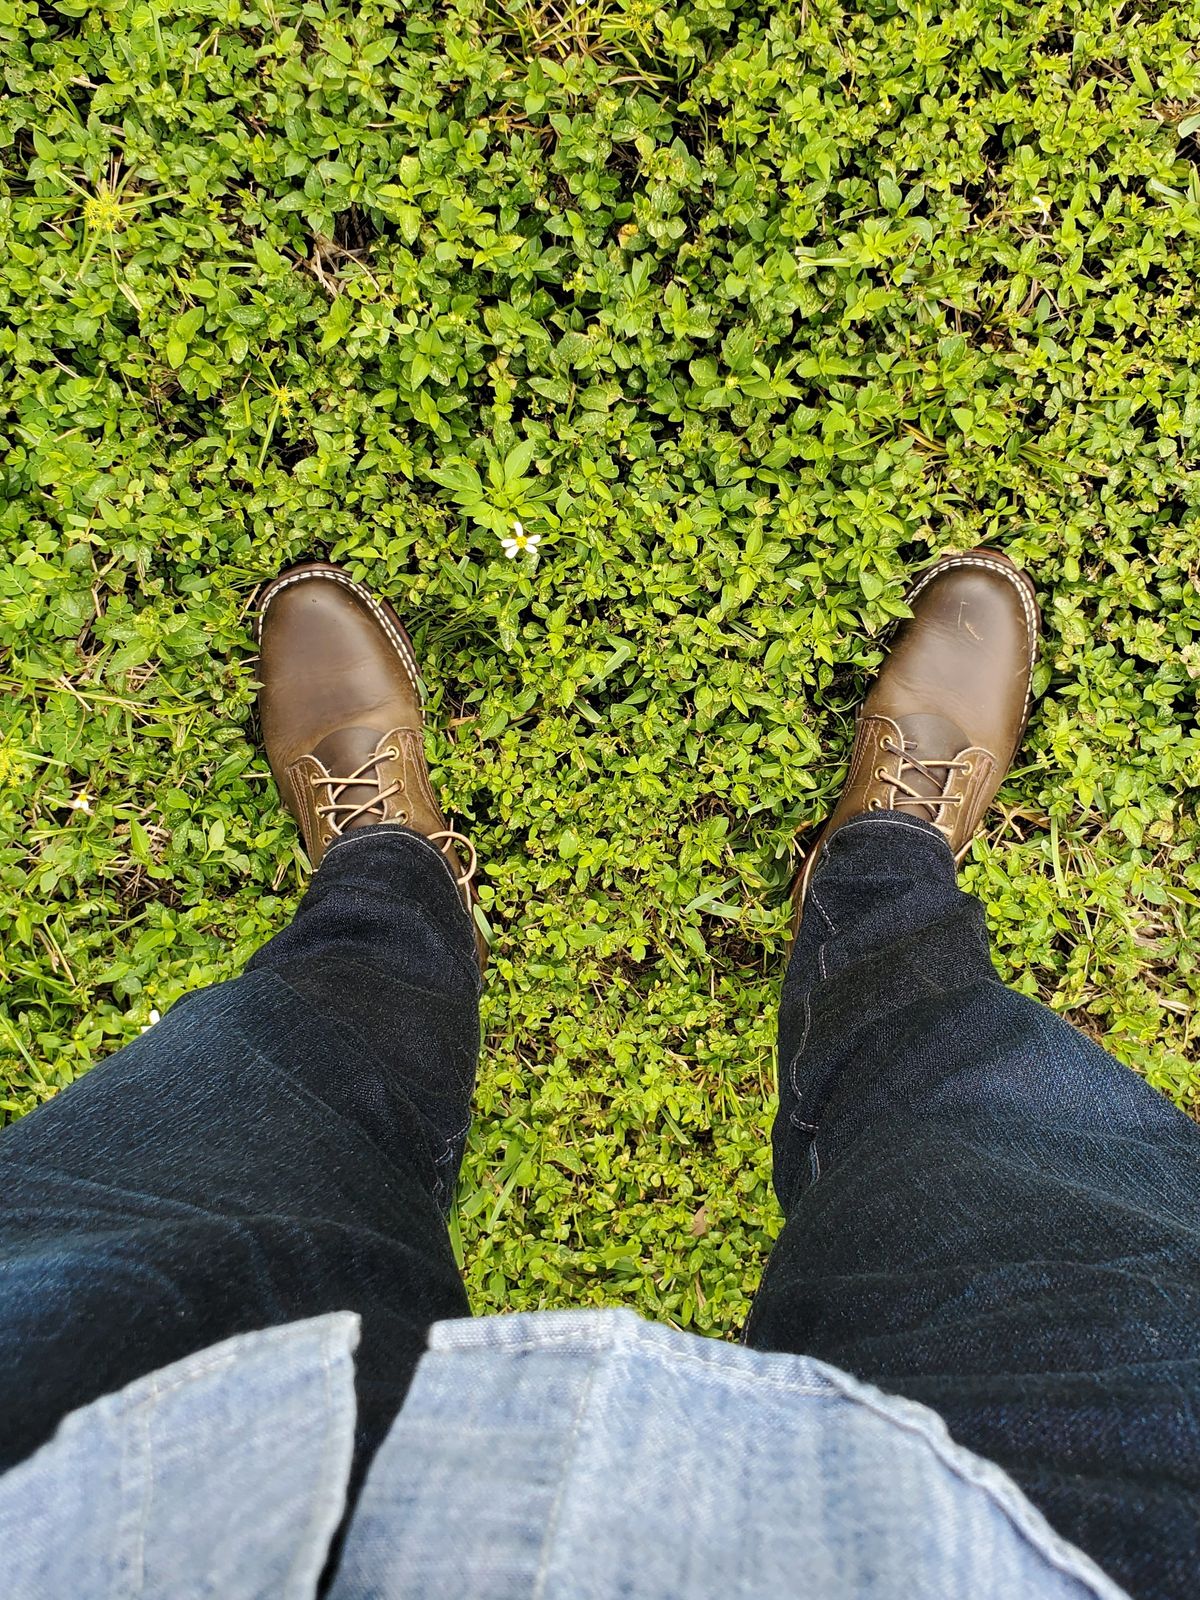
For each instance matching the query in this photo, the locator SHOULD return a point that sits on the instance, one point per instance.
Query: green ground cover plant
(747, 312)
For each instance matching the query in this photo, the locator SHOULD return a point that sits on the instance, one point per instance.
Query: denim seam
(544, 1555)
(148, 1409)
(829, 923)
(665, 1358)
(123, 1543)
(159, 1390)
(795, 1062)
(960, 1462)
(443, 1191)
(662, 1358)
(135, 1485)
(1053, 1548)
(327, 1487)
(813, 1128)
(205, 1362)
(452, 1141)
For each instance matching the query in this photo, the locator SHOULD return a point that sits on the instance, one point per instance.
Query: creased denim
(222, 1476)
(549, 1456)
(986, 1212)
(276, 1147)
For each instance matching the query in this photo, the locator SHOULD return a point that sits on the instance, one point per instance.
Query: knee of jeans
(1042, 1060)
(363, 941)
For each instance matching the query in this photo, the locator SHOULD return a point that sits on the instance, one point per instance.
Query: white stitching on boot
(408, 660)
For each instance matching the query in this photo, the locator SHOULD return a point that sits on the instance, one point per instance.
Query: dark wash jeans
(985, 1211)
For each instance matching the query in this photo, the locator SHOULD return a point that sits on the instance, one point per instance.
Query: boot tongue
(930, 738)
(342, 753)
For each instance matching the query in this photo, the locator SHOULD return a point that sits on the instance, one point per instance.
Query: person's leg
(985, 1211)
(276, 1147)
(284, 1144)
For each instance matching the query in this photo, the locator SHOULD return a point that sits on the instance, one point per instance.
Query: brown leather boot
(943, 720)
(340, 707)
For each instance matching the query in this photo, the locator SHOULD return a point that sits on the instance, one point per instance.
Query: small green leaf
(375, 53)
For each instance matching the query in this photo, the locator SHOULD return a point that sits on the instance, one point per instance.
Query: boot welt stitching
(408, 660)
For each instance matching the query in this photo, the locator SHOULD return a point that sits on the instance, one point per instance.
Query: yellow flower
(102, 211)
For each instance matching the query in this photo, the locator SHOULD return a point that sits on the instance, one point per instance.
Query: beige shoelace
(337, 814)
(463, 876)
(928, 769)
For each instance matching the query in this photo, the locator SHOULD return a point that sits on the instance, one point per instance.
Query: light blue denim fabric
(547, 1456)
(223, 1475)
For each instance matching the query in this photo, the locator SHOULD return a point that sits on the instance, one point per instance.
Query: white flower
(519, 542)
(81, 802)
(154, 1017)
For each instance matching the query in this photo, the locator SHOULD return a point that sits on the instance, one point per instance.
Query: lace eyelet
(881, 776)
(967, 769)
(391, 753)
(401, 816)
(874, 805)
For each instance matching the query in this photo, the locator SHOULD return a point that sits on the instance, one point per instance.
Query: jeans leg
(276, 1147)
(985, 1211)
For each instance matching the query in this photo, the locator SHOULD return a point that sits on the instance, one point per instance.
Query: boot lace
(464, 874)
(337, 814)
(928, 768)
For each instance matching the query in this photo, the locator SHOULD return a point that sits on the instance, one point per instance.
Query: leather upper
(339, 686)
(340, 707)
(941, 724)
